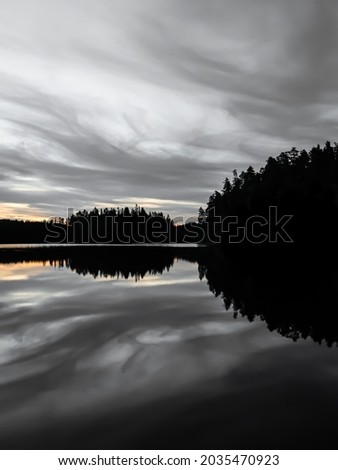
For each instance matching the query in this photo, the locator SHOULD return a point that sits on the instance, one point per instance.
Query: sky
(155, 102)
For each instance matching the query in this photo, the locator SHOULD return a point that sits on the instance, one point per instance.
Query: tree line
(108, 226)
(301, 184)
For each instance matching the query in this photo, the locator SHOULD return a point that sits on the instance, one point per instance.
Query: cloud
(159, 100)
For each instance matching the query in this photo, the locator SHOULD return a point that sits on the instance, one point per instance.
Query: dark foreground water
(113, 353)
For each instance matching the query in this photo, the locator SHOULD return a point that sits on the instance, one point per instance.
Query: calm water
(101, 361)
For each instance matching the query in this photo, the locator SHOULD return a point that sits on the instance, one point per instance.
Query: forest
(298, 188)
(108, 226)
(300, 184)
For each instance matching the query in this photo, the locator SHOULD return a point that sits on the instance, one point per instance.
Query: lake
(136, 351)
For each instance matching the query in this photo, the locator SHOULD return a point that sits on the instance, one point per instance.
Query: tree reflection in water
(294, 292)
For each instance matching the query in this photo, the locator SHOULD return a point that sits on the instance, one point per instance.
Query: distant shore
(39, 252)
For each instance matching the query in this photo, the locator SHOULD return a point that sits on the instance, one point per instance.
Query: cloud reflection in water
(73, 349)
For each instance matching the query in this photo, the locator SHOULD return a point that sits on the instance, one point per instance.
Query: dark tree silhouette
(302, 184)
(109, 225)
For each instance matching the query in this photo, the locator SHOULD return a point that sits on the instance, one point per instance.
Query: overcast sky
(155, 102)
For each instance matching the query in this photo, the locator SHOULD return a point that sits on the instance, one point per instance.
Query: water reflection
(295, 293)
(97, 360)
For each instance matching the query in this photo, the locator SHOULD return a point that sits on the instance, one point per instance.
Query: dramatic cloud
(116, 102)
